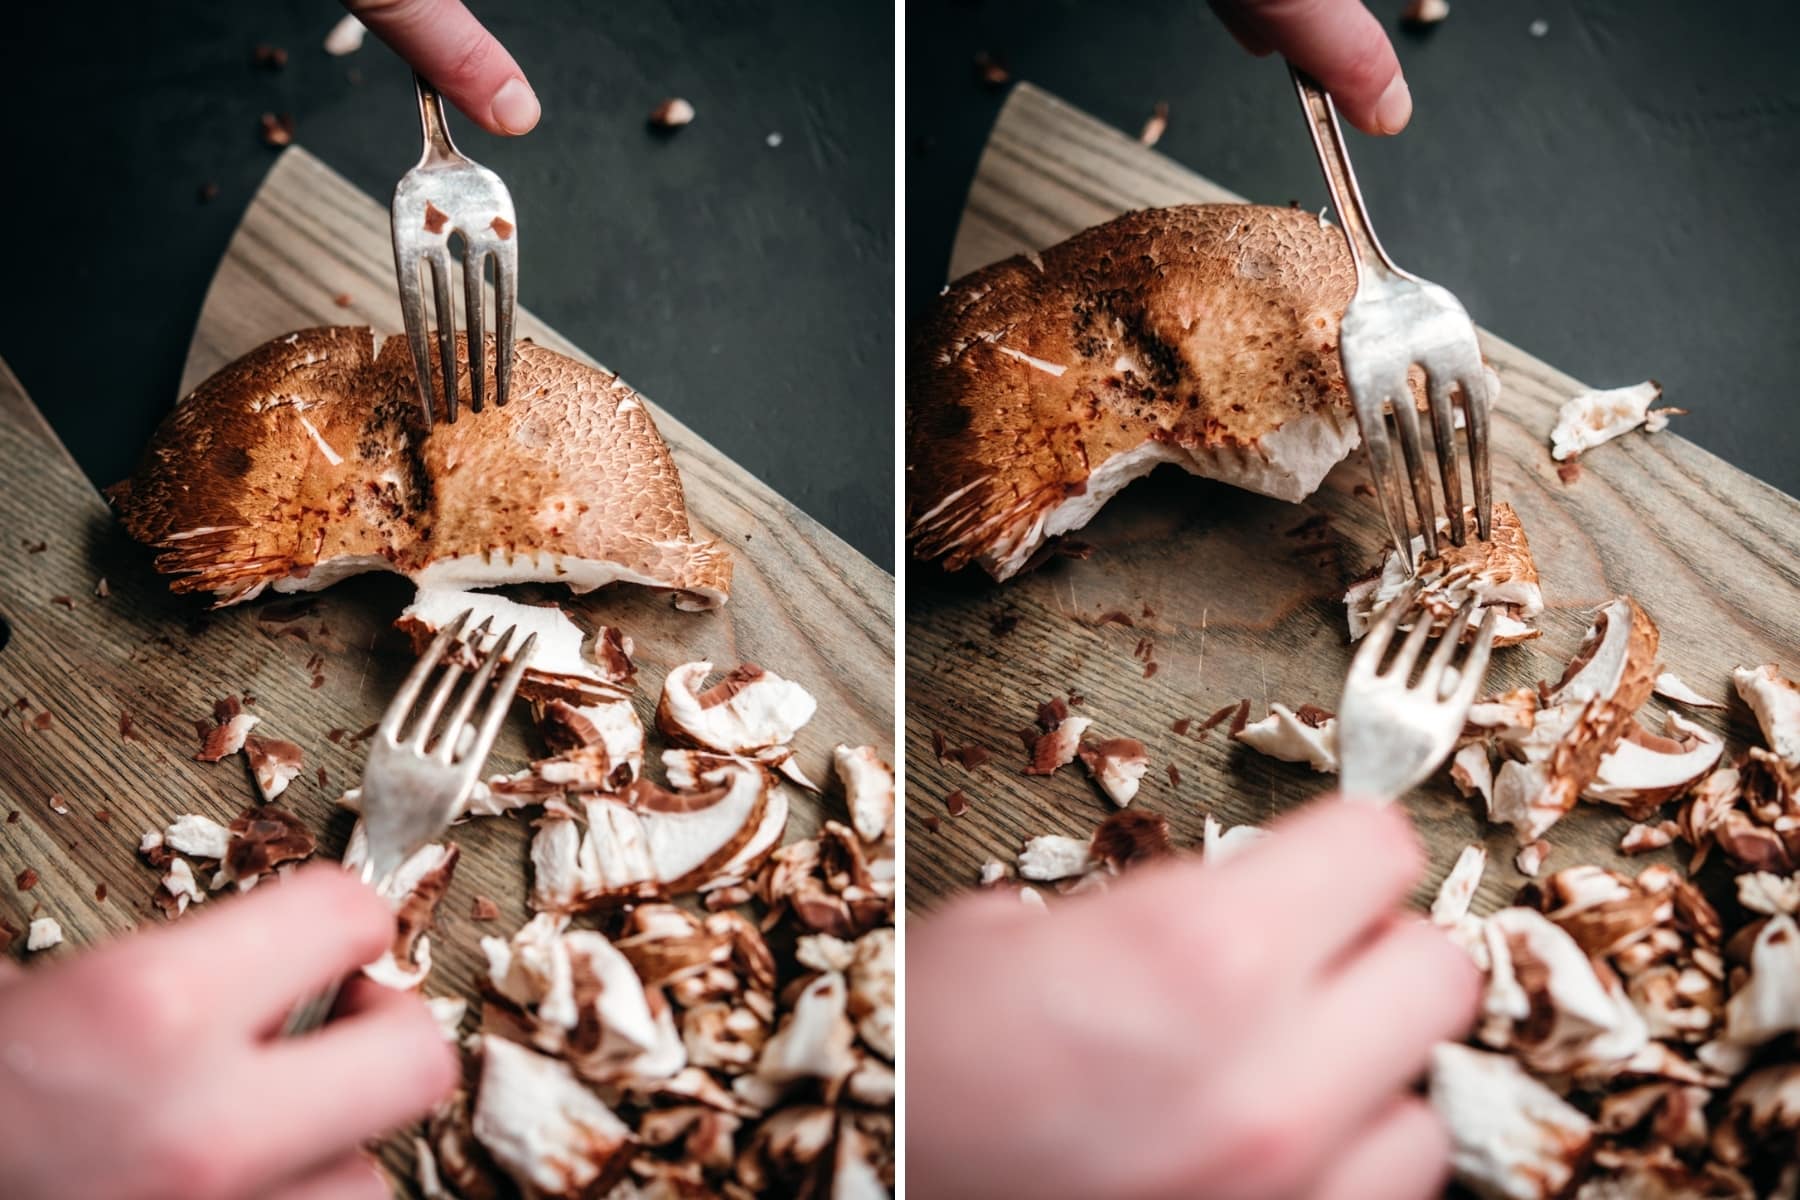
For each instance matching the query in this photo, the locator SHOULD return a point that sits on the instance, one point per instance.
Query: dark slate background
(1616, 196)
(747, 289)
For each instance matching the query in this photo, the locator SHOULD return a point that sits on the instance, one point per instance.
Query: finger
(1317, 886)
(1404, 1155)
(1342, 46)
(446, 44)
(352, 1177)
(351, 1080)
(1357, 1043)
(1229, 15)
(254, 956)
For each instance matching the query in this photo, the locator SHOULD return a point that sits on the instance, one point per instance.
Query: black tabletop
(746, 287)
(1611, 190)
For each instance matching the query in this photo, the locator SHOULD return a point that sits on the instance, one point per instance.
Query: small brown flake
(1156, 126)
(1145, 648)
(956, 804)
(502, 227)
(1148, 612)
(320, 776)
(1241, 717)
(208, 192)
(1003, 623)
(67, 602)
(1117, 616)
(971, 756)
(36, 547)
(1181, 726)
(277, 129)
(343, 299)
(102, 816)
(365, 733)
(1222, 714)
(41, 722)
(435, 218)
(1130, 836)
(990, 71)
(318, 681)
(1174, 776)
(22, 704)
(933, 824)
(939, 744)
(101, 589)
(27, 879)
(484, 909)
(1076, 698)
(1363, 489)
(1051, 713)
(124, 726)
(12, 818)
(1569, 471)
(269, 58)
(100, 894)
(1150, 669)
(334, 736)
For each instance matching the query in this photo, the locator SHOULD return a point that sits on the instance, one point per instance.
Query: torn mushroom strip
(1497, 574)
(1596, 417)
(749, 712)
(1308, 735)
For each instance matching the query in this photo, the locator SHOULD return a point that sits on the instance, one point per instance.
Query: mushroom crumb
(44, 933)
(1156, 125)
(671, 113)
(1593, 418)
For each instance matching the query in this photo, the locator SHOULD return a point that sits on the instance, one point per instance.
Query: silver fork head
(1394, 321)
(412, 787)
(447, 193)
(1394, 731)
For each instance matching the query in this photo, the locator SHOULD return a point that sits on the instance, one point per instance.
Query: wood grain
(803, 604)
(1240, 596)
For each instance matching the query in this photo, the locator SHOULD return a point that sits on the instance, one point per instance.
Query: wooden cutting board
(803, 604)
(1234, 595)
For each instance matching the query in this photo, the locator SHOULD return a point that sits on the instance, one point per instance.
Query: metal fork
(1394, 320)
(446, 193)
(411, 788)
(1392, 734)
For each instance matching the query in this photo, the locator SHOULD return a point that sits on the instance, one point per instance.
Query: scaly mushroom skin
(1203, 335)
(307, 460)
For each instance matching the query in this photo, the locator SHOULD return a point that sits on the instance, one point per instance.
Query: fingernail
(515, 107)
(1392, 111)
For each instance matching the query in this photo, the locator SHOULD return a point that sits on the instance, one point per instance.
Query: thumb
(1337, 42)
(446, 44)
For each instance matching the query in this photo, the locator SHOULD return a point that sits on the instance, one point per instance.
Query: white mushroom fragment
(346, 37)
(273, 762)
(196, 836)
(868, 788)
(1592, 418)
(1307, 736)
(1057, 747)
(1050, 857)
(1645, 770)
(414, 892)
(227, 736)
(1497, 574)
(1530, 858)
(871, 981)
(544, 1127)
(1472, 771)
(1511, 1137)
(750, 712)
(1671, 687)
(1117, 765)
(815, 1040)
(1767, 1004)
(180, 886)
(44, 933)
(1219, 843)
(1775, 700)
(1457, 891)
(646, 842)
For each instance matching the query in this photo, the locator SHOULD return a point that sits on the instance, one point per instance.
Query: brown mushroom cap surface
(307, 460)
(1204, 335)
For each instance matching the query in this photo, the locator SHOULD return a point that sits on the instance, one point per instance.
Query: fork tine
(1440, 654)
(1375, 641)
(412, 312)
(440, 695)
(1475, 410)
(506, 300)
(446, 326)
(415, 679)
(498, 703)
(1407, 656)
(1381, 468)
(1474, 667)
(474, 261)
(1406, 419)
(445, 745)
(1443, 437)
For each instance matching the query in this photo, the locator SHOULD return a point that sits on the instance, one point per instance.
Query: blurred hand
(1244, 1031)
(446, 44)
(1337, 42)
(150, 1067)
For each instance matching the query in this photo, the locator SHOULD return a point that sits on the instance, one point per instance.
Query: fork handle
(431, 120)
(1340, 179)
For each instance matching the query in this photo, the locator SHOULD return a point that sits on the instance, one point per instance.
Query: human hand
(1243, 1031)
(151, 1067)
(1337, 42)
(446, 44)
